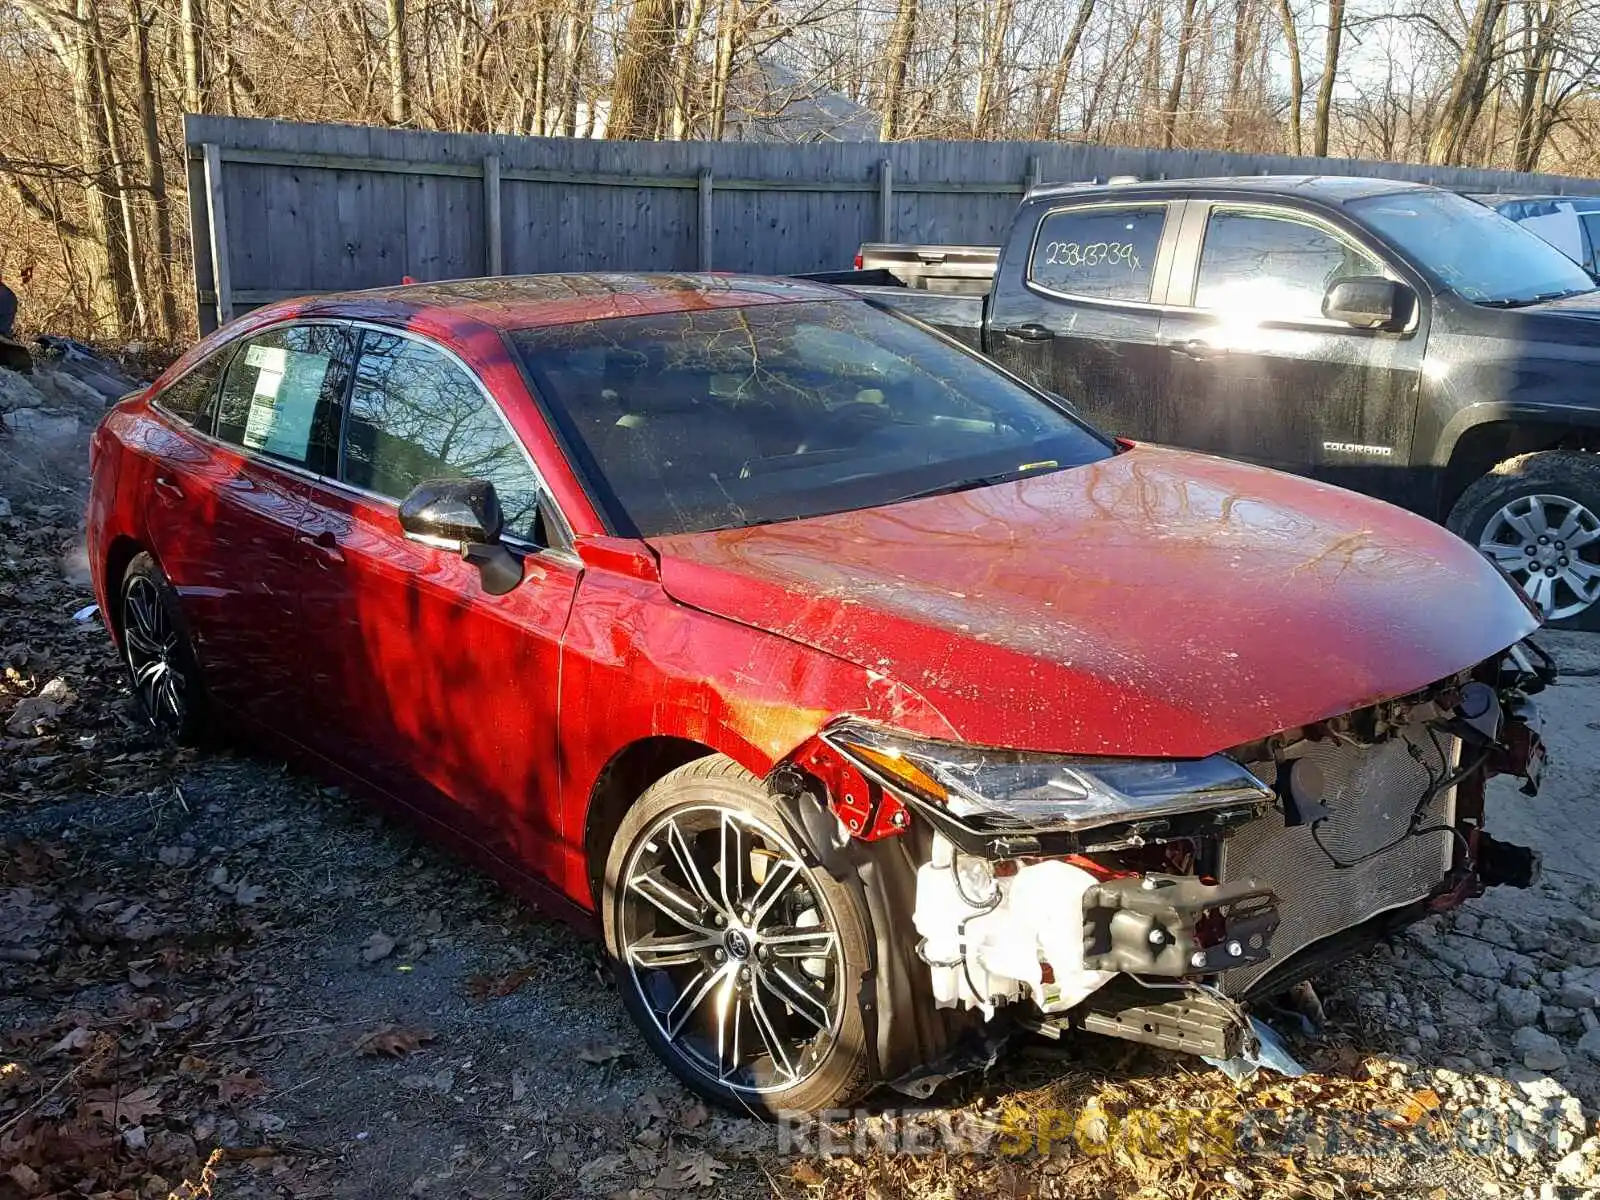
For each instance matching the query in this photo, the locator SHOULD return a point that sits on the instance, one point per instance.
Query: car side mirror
(1369, 302)
(463, 515)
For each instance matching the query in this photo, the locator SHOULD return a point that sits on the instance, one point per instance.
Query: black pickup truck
(1392, 338)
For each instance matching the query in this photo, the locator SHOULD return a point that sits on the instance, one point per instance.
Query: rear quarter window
(1098, 253)
(192, 396)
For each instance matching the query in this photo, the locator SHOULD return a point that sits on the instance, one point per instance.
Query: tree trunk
(895, 60)
(574, 39)
(1291, 38)
(126, 246)
(155, 171)
(1538, 47)
(394, 38)
(1049, 123)
(1236, 65)
(644, 71)
(991, 66)
(1465, 99)
(687, 58)
(191, 22)
(1330, 68)
(1169, 110)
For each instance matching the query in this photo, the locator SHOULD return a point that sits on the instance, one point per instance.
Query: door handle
(1028, 333)
(169, 487)
(325, 544)
(1198, 350)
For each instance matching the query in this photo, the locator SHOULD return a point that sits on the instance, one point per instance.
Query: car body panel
(1165, 603)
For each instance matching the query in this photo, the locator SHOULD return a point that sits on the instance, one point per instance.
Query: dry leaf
(131, 1107)
(699, 1170)
(233, 1088)
(247, 894)
(805, 1174)
(138, 978)
(693, 1116)
(491, 987)
(600, 1053)
(392, 1041)
(25, 1177)
(519, 1086)
(76, 1040)
(379, 945)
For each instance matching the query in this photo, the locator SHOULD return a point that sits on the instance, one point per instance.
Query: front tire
(742, 965)
(158, 654)
(1538, 517)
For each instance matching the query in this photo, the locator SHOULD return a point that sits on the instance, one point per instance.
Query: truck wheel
(1538, 516)
(742, 965)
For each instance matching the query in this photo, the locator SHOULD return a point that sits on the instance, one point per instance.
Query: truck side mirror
(1369, 302)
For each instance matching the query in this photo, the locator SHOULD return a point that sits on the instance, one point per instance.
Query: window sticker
(285, 399)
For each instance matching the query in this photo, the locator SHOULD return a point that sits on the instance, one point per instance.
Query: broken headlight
(996, 790)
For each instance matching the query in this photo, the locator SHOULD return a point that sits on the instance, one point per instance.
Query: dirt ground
(218, 978)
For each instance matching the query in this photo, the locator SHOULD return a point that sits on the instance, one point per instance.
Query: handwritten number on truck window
(1092, 254)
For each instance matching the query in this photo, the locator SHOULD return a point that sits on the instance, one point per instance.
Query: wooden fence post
(221, 275)
(493, 247)
(886, 200)
(705, 219)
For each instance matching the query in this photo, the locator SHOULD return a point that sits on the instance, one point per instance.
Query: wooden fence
(281, 209)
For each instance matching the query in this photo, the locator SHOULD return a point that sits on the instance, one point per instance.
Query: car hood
(1154, 603)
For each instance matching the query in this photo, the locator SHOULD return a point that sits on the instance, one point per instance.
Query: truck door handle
(1028, 333)
(325, 544)
(169, 487)
(1198, 350)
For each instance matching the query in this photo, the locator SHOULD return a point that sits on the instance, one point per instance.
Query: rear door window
(1098, 253)
(1273, 266)
(417, 414)
(280, 396)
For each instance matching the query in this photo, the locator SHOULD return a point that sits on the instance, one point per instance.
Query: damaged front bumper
(1155, 921)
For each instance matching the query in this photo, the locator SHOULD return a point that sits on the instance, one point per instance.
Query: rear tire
(1538, 516)
(742, 965)
(158, 654)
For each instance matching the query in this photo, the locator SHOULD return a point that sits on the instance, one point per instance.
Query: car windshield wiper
(978, 481)
(1524, 301)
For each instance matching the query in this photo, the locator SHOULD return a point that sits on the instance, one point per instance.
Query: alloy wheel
(153, 646)
(1551, 546)
(732, 949)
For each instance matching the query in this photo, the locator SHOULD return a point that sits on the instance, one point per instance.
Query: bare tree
(1291, 38)
(1330, 71)
(1467, 88)
(1169, 111)
(894, 66)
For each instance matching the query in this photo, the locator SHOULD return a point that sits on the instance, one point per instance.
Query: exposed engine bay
(1158, 921)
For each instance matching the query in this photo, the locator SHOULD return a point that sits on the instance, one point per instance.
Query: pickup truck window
(1101, 253)
(1272, 266)
(719, 418)
(1472, 250)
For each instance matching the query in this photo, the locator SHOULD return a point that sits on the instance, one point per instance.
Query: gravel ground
(221, 979)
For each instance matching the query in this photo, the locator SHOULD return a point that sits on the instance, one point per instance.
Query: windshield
(715, 418)
(1477, 253)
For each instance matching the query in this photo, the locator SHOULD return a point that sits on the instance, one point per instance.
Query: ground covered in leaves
(219, 979)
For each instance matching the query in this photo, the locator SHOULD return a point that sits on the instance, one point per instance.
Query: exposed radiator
(1370, 793)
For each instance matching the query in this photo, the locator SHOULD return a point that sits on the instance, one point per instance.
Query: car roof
(511, 302)
(1335, 189)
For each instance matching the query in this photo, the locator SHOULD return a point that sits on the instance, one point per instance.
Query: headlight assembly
(1000, 791)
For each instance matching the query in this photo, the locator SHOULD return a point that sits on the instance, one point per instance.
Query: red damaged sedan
(855, 690)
